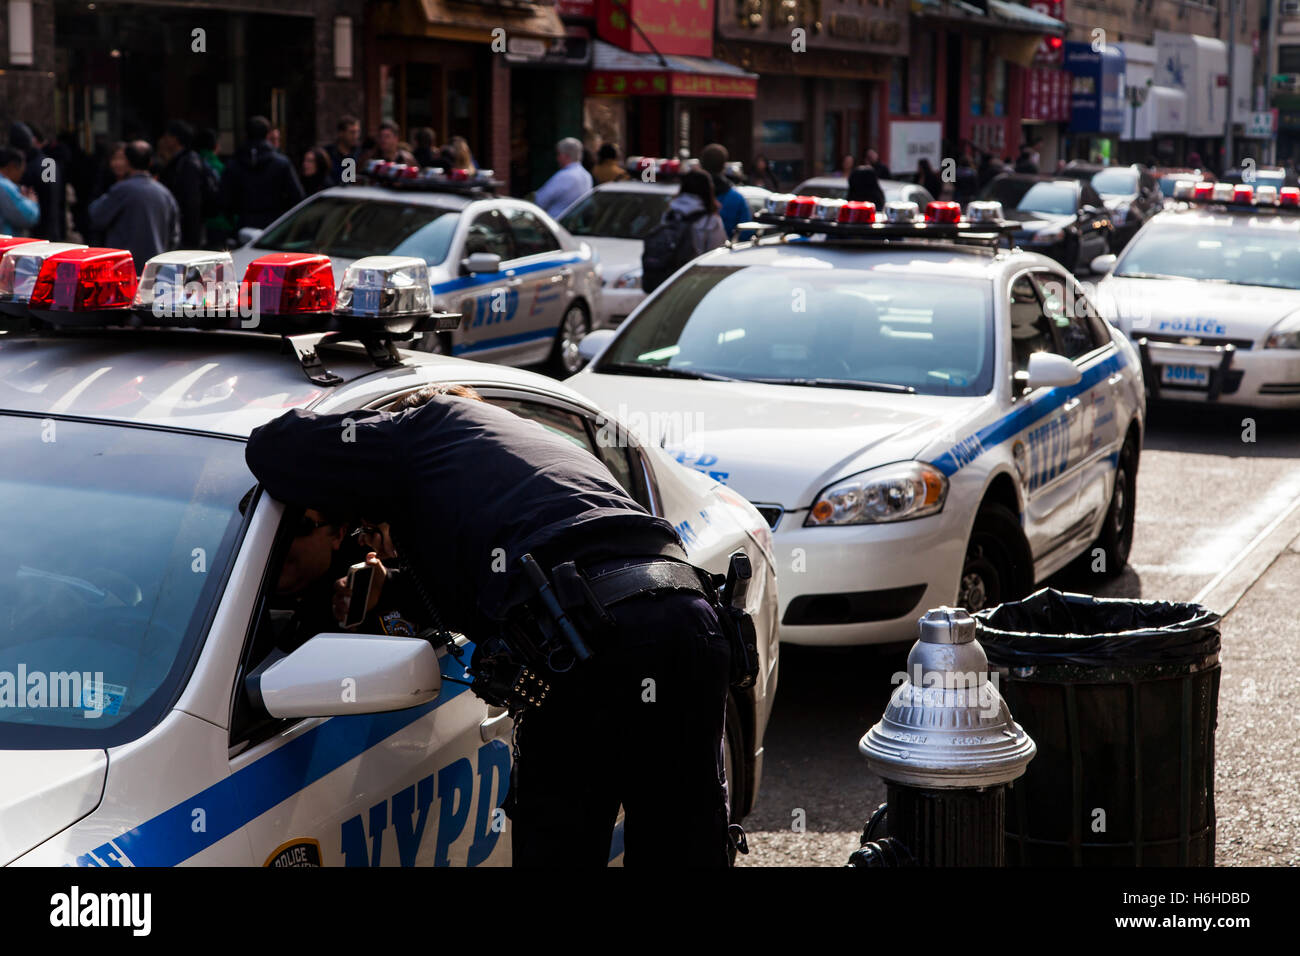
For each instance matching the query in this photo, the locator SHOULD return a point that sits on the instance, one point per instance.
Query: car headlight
(901, 492)
(1286, 334)
(1048, 235)
(629, 280)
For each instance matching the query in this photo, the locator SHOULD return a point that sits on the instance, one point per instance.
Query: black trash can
(1122, 699)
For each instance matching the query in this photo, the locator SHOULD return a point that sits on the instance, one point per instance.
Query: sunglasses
(306, 526)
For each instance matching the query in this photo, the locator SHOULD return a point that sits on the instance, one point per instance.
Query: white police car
(138, 564)
(1210, 291)
(528, 290)
(615, 218)
(922, 422)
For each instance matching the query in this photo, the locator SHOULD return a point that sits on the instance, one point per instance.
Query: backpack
(668, 247)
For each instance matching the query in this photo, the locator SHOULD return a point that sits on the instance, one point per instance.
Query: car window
(605, 439)
(1030, 330)
(1027, 195)
(353, 228)
(616, 213)
(1062, 306)
(842, 327)
(490, 232)
(1244, 253)
(532, 236)
(114, 544)
(1117, 180)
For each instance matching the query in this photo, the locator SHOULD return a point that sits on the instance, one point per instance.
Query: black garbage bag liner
(1051, 627)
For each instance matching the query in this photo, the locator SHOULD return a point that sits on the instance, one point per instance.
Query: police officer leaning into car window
(619, 697)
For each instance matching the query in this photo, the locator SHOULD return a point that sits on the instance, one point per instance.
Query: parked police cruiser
(924, 418)
(1210, 292)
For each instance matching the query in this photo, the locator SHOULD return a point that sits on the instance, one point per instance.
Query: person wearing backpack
(690, 227)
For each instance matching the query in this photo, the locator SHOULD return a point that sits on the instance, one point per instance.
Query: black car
(1132, 196)
(1062, 217)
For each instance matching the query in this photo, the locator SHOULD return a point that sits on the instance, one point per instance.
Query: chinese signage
(1095, 104)
(1262, 124)
(1047, 94)
(666, 83)
(909, 143)
(682, 27)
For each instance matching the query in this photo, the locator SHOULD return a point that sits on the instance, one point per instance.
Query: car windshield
(841, 328)
(114, 542)
(351, 228)
(1117, 181)
(1248, 253)
(1052, 198)
(616, 213)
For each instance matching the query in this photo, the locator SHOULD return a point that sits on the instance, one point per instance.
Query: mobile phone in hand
(360, 577)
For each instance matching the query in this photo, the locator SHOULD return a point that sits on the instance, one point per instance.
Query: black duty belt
(612, 587)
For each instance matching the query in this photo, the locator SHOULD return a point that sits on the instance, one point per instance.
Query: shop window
(1288, 59)
(998, 95)
(920, 84)
(898, 87)
(977, 78)
(781, 131)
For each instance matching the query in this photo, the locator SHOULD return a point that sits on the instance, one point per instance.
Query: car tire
(575, 324)
(733, 763)
(997, 567)
(1116, 538)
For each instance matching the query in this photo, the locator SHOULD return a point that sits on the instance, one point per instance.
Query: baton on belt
(536, 575)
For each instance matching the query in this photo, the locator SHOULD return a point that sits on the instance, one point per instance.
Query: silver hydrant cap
(946, 625)
(946, 726)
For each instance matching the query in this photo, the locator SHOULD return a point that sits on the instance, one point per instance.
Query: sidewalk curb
(1228, 587)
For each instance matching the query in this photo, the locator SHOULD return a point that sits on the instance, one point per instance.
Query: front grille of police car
(1205, 341)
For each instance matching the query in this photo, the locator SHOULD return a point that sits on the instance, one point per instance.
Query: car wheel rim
(974, 594)
(571, 333)
(981, 579)
(1119, 504)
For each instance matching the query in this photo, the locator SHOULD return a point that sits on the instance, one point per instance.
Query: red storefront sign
(651, 83)
(1047, 94)
(682, 27)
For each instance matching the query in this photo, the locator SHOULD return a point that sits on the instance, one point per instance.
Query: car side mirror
(593, 343)
(481, 262)
(1049, 370)
(248, 234)
(334, 675)
(1103, 264)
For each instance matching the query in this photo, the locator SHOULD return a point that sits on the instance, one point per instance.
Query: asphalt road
(1208, 508)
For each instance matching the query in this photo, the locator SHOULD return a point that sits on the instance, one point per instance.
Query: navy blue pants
(639, 724)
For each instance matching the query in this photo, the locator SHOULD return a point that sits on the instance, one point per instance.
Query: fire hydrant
(946, 748)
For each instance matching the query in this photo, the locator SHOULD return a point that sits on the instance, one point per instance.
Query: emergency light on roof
(829, 209)
(8, 242)
(20, 266)
(384, 292)
(661, 166)
(858, 220)
(89, 282)
(777, 202)
(429, 178)
(855, 211)
(984, 210)
(1240, 196)
(901, 211)
(942, 211)
(292, 284)
(189, 283)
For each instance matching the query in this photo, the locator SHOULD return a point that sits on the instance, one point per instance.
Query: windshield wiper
(839, 383)
(1157, 275)
(636, 368)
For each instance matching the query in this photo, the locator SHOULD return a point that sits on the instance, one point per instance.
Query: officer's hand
(343, 593)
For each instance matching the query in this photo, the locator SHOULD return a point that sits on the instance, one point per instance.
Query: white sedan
(138, 565)
(1211, 294)
(921, 423)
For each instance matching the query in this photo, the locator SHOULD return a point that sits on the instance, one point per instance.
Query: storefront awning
(473, 20)
(618, 72)
(1001, 14)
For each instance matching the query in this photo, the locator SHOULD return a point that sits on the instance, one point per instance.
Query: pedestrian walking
(732, 207)
(690, 226)
(761, 174)
(259, 185)
(569, 183)
(864, 186)
(608, 168)
(346, 146)
(138, 213)
(19, 210)
(186, 177)
(316, 171)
